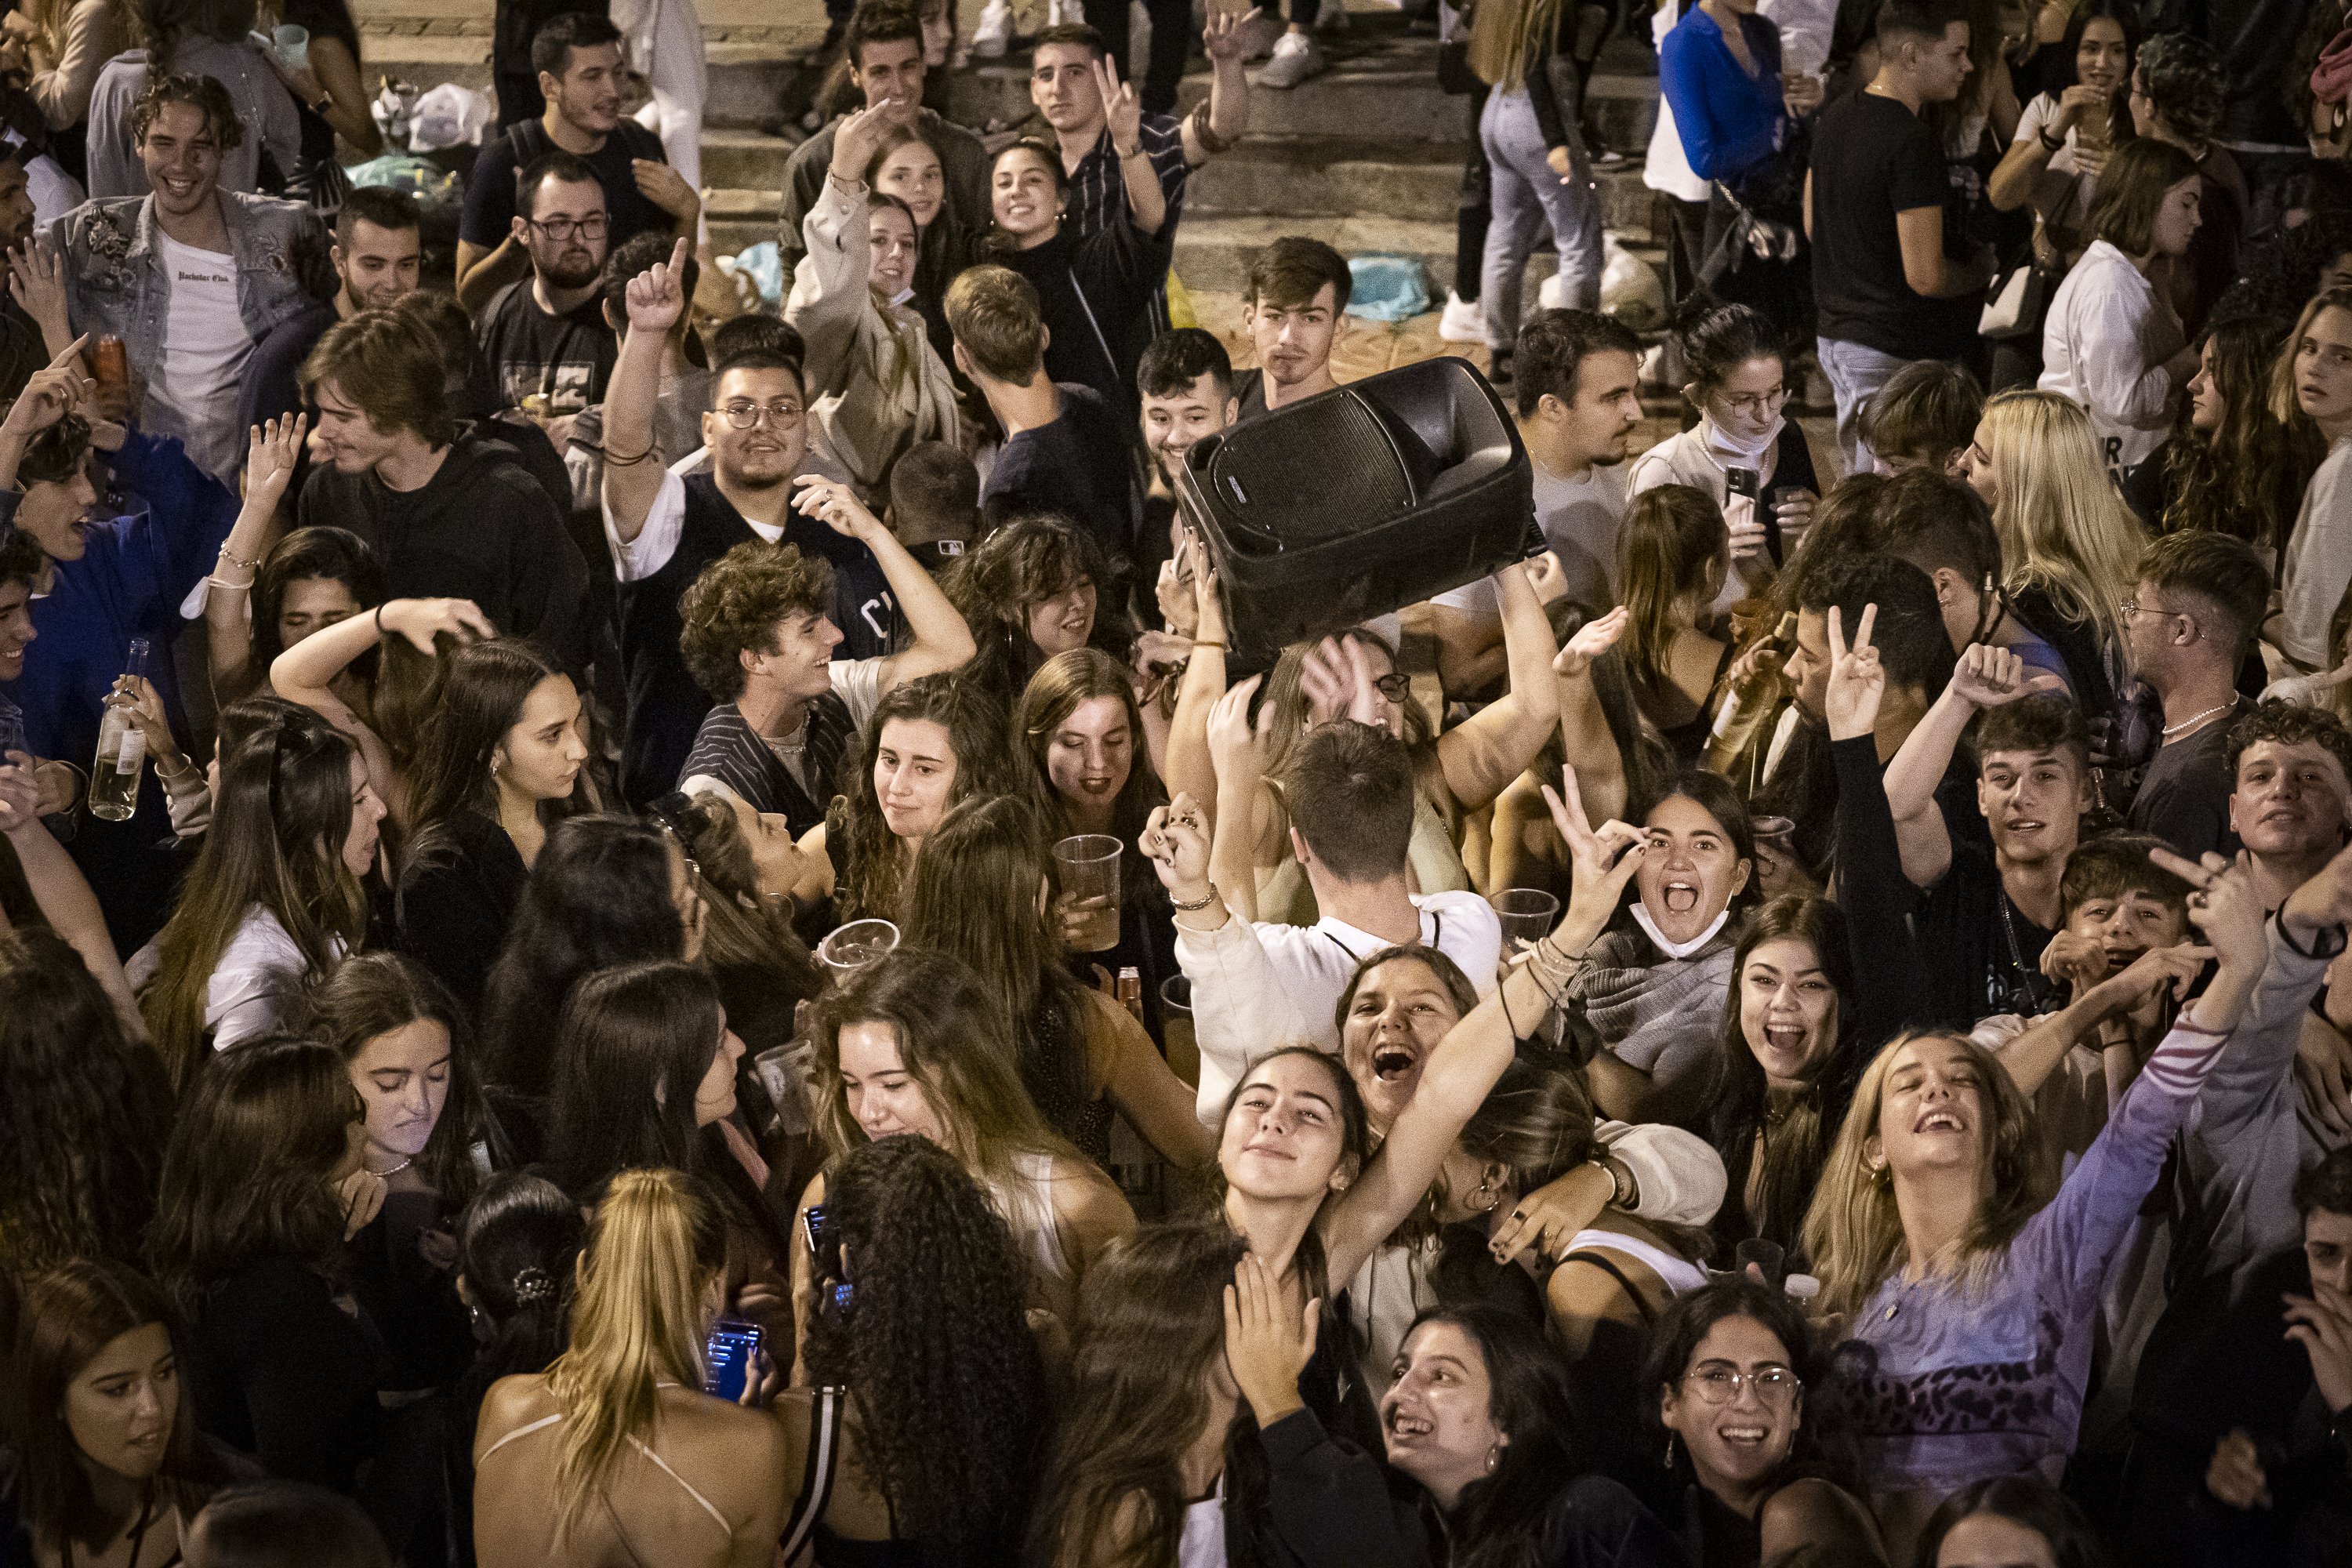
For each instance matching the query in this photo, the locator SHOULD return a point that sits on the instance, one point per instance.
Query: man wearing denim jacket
(190, 276)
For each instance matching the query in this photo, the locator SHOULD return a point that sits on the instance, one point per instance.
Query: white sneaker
(1463, 320)
(994, 33)
(1060, 13)
(1296, 57)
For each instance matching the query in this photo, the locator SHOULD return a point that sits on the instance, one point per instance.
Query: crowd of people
(722, 962)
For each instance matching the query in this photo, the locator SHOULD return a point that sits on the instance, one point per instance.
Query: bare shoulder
(511, 1404)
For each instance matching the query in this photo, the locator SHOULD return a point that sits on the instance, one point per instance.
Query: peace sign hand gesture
(1122, 111)
(1857, 680)
(1605, 860)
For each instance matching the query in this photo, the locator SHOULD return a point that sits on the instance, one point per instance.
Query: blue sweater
(1728, 120)
(170, 519)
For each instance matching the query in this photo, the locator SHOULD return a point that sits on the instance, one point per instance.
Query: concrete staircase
(1367, 156)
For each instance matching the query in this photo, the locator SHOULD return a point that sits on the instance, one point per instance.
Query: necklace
(2195, 718)
(791, 745)
(392, 1170)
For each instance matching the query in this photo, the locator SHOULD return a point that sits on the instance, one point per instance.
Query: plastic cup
(855, 946)
(293, 44)
(786, 1072)
(1527, 915)
(1182, 1050)
(1089, 863)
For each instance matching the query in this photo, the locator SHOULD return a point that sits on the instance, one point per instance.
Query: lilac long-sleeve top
(1946, 1384)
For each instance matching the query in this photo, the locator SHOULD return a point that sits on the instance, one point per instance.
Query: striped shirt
(1098, 190)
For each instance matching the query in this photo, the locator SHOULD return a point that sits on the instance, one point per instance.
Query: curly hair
(2184, 81)
(946, 1386)
(2288, 724)
(2246, 477)
(83, 1114)
(201, 93)
(733, 609)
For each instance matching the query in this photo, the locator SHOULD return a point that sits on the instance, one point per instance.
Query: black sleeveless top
(666, 707)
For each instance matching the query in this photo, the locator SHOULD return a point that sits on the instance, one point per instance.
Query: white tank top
(1026, 1202)
(1677, 1275)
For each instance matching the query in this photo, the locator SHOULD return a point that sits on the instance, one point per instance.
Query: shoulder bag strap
(816, 1479)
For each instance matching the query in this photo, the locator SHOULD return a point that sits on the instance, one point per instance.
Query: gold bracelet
(1190, 909)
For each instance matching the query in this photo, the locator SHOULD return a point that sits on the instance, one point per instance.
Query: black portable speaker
(1359, 501)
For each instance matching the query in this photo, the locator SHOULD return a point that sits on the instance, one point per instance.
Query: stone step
(1390, 93)
(1315, 176)
(752, 81)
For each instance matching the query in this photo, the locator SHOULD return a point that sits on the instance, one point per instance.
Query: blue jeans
(1855, 373)
(1527, 195)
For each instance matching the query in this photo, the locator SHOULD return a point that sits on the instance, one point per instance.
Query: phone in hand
(1743, 482)
(726, 1357)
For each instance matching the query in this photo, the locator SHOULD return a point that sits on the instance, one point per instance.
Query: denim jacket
(116, 283)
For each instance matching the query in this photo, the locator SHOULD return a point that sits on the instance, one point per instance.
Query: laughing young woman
(1942, 1251)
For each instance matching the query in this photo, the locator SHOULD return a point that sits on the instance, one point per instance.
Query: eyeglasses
(1395, 688)
(1775, 1385)
(743, 414)
(2131, 607)
(562, 228)
(1754, 403)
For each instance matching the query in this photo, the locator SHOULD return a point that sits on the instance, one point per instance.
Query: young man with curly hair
(759, 639)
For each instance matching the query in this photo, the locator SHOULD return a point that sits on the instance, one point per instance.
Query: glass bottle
(122, 751)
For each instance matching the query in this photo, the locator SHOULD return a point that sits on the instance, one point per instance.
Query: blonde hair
(1501, 34)
(1854, 1232)
(2286, 407)
(2063, 531)
(636, 1323)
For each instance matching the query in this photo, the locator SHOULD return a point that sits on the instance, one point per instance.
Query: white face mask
(1722, 444)
(1676, 949)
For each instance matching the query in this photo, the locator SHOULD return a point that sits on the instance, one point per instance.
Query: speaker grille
(1325, 471)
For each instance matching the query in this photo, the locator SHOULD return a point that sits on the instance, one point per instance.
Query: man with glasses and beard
(544, 337)
(665, 526)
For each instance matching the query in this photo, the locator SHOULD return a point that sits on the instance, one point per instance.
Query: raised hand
(1235, 746)
(2322, 902)
(1228, 34)
(1326, 678)
(1592, 640)
(1267, 1344)
(37, 281)
(1176, 841)
(2078, 104)
(1604, 860)
(54, 391)
(657, 297)
(2224, 905)
(2078, 962)
(835, 505)
(1857, 681)
(856, 141)
(2157, 970)
(1122, 111)
(1988, 676)
(143, 705)
(422, 620)
(269, 454)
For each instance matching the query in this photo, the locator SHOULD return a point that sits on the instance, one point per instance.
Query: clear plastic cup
(1184, 1050)
(852, 947)
(1089, 863)
(1527, 915)
(292, 45)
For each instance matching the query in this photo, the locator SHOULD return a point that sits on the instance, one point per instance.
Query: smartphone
(1743, 482)
(726, 1357)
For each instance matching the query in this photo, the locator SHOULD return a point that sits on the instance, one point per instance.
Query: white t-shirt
(1579, 519)
(2065, 190)
(2318, 562)
(205, 347)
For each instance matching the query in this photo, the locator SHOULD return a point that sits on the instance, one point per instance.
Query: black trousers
(1171, 37)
